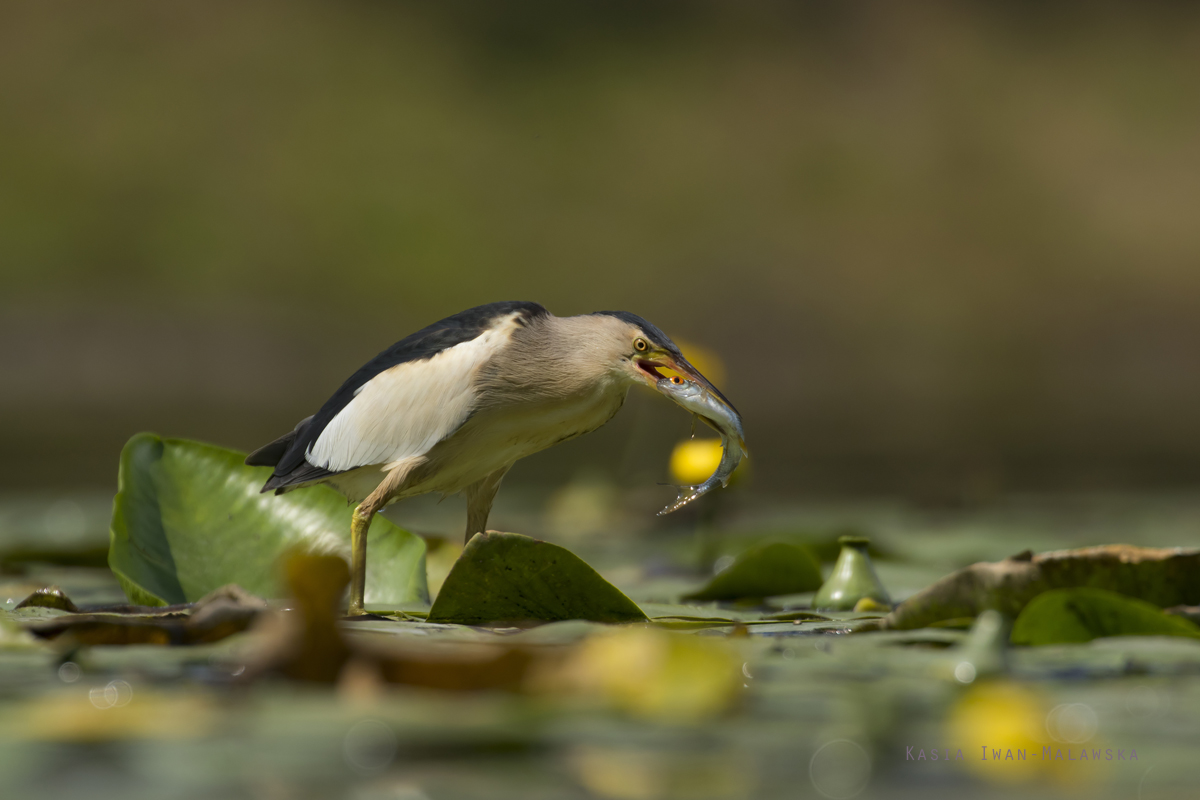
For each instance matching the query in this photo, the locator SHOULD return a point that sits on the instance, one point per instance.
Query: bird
(453, 406)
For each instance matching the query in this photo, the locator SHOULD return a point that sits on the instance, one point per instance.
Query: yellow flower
(1001, 728)
(693, 460)
(650, 673)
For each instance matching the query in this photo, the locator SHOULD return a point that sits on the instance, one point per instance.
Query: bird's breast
(496, 436)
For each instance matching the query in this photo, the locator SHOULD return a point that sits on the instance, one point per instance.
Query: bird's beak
(679, 364)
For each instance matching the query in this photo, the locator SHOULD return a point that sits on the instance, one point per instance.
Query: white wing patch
(404, 411)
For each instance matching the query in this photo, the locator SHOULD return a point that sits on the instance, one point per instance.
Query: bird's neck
(554, 359)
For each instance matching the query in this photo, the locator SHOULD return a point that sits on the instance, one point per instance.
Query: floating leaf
(13, 636)
(1080, 615)
(220, 614)
(510, 577)
(188, 518)
(1161, 576)
(705, 613)
(764, 571)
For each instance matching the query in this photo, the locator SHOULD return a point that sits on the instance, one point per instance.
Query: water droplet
(102, 696)
(840, 769)
(1072, 723)
(122, 693)
(369, 746)
(1143, 701)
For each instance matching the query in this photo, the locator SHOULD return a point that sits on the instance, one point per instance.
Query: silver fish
(702, 403)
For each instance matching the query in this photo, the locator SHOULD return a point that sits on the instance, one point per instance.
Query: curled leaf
(1160, 576)
(222, 613)
(49, 597)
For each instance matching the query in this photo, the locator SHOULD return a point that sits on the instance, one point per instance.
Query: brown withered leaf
(1162, 576)
(219, 614)
(460, 666)
(308, 644)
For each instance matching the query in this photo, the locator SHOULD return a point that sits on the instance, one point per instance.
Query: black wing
(287, 452)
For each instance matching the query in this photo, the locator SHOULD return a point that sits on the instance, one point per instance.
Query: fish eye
(640, 345)
(675, 379)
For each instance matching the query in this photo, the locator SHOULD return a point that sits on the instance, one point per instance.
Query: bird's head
(645, 350)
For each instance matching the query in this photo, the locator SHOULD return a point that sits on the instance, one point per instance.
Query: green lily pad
(1079, 615)
(188, 518)
(510, 577)
(680, 611)
(764, 571)
(1161, 576)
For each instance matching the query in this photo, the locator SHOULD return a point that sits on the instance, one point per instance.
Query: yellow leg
(358, 558)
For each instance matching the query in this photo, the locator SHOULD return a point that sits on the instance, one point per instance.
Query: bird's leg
(360, 524)
(479, 501)
(392, 482)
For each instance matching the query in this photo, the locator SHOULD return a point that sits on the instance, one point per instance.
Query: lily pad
(695, 613)
(189, 518)
(1064, 616)
(1160, 576)
(764, 571)
(510, 577)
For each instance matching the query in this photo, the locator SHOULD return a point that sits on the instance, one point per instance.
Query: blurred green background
(946, 251)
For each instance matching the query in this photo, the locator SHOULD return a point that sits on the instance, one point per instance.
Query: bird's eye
(640, 345)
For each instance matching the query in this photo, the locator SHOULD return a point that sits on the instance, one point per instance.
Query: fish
(723, 419)
(704, 404)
